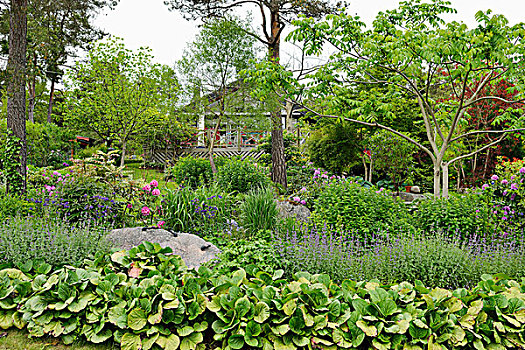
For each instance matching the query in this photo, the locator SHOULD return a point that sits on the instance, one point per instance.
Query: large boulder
(192, 249)
(289, 210)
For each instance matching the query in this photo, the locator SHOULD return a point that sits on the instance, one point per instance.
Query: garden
(389, 215)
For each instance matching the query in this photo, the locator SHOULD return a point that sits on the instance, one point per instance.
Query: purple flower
(484, 187)
(522, 171)
(505, 193)
(504, 182)
(146, 188)
(303, 202)
(513, 196)
(504, 218)
(494, 177)
(296, 199)
(155, 192)
(514, 186)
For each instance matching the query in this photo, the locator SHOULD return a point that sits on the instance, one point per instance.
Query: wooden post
(239, 143)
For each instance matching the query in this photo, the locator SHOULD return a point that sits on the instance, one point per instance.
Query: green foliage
(191, 172)
(242, 252)
(11, 164)
(392, 154)
(258, 211)
(202, 211)
(12, 206)
(292, 153)
(138, 298)
(336, 147)
(56, 242)
(347, 206)
(241, 176)
(465, 214)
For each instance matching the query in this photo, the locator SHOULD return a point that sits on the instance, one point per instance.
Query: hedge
(145, 298)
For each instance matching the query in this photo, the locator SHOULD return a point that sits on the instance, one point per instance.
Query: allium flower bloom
(484, 187)
(494, 177)
(160, 223)
(303, 202)
(145, 211)
(504, 182)
(522, 171)
(147, 188)
(155, 192)
(154, 183)
(296, 199)
(303, 189)
(514, 186)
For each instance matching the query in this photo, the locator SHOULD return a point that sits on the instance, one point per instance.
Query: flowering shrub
(146, 206)
(505, 197)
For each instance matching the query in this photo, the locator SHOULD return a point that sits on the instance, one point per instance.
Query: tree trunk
(437, 180)
(278, 159)
(366, 167)
(212, 145)
(51, 98)
(123, 155)
(444, 167)
(16, 87)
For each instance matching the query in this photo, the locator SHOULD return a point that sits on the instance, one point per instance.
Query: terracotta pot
(408, 188)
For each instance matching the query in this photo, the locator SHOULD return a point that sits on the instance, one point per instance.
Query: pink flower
(296, 199)
(504, 182)
(303, 189)
(303, 202)
(145, 211)
(155, 192)
(522, 171)
(154, 183)
(494, 177)
(484, 187)
(160, 223)
(129, 206)
(146, 188)
(514, 186)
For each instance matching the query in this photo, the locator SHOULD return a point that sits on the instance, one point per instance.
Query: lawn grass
(19, 340)
(150, 174)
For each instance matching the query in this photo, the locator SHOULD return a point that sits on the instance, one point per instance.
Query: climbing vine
(13, 178)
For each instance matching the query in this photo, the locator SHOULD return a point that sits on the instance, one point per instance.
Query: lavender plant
(438, 259)
(56, 242)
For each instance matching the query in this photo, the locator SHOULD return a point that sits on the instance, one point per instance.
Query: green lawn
(19, 340)
(150, 174)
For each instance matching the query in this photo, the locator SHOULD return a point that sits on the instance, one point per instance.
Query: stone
(410, 197)
(194, 250)
(289, 210)
(415, 189)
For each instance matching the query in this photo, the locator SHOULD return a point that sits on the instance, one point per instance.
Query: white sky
(167, 33)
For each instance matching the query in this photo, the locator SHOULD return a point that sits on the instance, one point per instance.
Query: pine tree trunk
(16, 87)
(51, 98)
(278, 159)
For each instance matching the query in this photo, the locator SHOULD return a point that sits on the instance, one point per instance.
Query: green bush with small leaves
(241, 176)
(191, 172)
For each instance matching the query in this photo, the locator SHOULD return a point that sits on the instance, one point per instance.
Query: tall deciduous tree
(16, 93)
(211, 65)
(275, 14)
(415, 53)
(117, 93)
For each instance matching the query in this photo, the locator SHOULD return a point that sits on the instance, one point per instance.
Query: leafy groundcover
(145, 298)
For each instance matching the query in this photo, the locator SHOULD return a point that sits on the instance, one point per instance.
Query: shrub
(347, 206)
(191, 172)
(241, 176)
(466, 214)
(437, 260)
(258, 211)
(57, 242)
(113, 298)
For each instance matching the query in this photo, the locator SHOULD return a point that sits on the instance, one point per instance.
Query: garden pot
(408, 188)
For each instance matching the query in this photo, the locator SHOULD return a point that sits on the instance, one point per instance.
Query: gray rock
(192, 249)
(410, 197)
(289, 210)
(415, 189)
